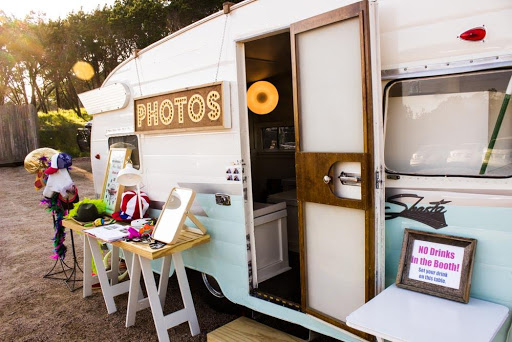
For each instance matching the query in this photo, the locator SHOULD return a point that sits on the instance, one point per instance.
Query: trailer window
(130, 141)
(443, 125)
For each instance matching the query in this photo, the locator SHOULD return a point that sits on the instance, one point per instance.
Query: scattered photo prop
(36, 162)
(435, 264)
(112, 191)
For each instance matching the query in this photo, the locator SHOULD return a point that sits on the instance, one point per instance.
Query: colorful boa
(55, 207)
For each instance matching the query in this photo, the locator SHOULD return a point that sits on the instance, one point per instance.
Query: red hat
(130, 206)
(53, 165)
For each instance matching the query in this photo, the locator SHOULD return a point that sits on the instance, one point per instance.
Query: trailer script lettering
(432, 215)
(197, 108)
(436, 263)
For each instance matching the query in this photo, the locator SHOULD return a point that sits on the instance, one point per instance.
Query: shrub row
(57, 129)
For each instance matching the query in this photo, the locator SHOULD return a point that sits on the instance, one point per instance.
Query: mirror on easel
(171, 221)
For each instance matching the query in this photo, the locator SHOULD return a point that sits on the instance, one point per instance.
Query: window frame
(136, 166)
(386, 90)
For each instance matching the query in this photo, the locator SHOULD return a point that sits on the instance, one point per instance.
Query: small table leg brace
(157, 296)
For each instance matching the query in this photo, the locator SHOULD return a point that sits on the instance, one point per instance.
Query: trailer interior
(272, 150)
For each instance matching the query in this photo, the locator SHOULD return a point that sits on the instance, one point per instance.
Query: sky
(53, 8)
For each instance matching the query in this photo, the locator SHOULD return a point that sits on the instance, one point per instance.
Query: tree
(20, 42)
(37, 55)
(181, 13)
(139, 23)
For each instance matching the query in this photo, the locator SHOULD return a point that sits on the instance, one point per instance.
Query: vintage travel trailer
(385, 110)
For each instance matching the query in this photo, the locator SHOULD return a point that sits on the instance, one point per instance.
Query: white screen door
(334, 158)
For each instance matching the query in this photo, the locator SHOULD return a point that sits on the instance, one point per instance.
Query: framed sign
(203, 107)
(112, 191)
(435, 264)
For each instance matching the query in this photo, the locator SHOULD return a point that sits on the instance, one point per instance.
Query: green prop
(497, 127)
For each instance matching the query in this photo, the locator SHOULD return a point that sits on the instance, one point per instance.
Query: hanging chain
(221, 46)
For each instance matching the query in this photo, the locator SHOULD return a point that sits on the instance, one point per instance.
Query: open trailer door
(335, 161)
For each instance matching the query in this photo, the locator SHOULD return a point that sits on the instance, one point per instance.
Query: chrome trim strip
(448, 67)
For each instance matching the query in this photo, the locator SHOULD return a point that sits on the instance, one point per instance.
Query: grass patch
(57, 129)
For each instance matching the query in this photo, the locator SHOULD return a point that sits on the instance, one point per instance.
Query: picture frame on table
(436, 264)
(112, 191)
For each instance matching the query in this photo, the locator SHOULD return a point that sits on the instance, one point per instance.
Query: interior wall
(283, 113)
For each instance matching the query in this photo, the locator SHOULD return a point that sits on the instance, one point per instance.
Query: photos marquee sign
(197, 108)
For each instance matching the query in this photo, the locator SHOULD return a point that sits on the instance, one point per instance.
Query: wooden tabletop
(185, 241)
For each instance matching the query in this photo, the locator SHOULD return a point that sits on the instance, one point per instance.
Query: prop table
(138, 258)
(401, 315)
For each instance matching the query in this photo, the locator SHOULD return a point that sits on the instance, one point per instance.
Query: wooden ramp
(244, 329)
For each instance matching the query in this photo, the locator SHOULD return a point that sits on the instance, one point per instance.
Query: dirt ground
(37, 309)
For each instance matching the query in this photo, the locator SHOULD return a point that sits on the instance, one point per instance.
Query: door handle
(352, 179)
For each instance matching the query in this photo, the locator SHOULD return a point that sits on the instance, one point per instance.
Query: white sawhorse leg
(136, 301)
(186, 296)
(109, 291)
(157, 297)
(88, 278)
(87, 274)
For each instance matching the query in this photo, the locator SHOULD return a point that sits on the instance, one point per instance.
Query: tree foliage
(37, 55)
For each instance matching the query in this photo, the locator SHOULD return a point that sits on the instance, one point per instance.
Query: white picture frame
(112, 191)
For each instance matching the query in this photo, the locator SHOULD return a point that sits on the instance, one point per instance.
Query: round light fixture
(262, 97)
(129, 176)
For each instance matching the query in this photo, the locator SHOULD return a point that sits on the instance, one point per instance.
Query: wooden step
(244, 329)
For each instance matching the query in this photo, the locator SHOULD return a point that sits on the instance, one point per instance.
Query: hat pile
(59, 161)
(59, 180)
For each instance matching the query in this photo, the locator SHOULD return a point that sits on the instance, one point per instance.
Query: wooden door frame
(358, 10)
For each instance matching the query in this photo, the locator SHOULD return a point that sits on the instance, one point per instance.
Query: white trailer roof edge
(175, 34)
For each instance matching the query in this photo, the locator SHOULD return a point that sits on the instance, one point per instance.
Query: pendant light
(262, 97)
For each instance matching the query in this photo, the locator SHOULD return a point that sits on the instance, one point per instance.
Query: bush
(57, 129)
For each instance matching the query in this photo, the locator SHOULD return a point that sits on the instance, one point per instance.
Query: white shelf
(402, 315)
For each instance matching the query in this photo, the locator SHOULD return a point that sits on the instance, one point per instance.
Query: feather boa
(55, 207)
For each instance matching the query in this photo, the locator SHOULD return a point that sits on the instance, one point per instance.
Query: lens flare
(83, 70)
